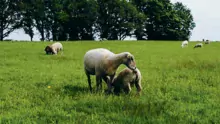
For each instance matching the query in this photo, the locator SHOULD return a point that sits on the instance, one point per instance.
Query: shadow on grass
(73, 90)
(58, 57)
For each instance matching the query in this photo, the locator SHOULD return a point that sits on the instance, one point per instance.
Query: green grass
(180, 85)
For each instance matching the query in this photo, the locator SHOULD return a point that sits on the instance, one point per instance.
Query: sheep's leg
(127, 88)
(98, 82)
(105, 78)
(89, 82)
(109, 83)
(54, 51)
(138, 86)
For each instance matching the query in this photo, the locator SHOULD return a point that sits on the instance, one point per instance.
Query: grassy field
(180, 85)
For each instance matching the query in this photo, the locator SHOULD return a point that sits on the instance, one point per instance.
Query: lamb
(125, 79)
(103, 64)
(184, 43)
(198, 45)
(54, 48)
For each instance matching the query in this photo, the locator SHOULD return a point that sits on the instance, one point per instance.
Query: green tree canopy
(9, 17)
(86, 19)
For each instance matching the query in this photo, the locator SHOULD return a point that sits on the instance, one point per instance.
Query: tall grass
(180, 85)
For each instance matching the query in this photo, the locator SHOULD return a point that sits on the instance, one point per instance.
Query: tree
(82, 15)
(9, 17)
(184, 22)
(140, 31)
(55, 17)
(27, 18)
(164, 20)
(159, 15)
(40, 17)
(117, 19)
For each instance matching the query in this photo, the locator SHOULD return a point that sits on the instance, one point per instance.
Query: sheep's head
(48, 50)
(129, 61)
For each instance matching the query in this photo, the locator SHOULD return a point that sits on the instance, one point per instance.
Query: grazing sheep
(198, 45)
(54, 48)
(102, 39)
(207, 42)
(103, 63)
(184, 43)
(125, 79)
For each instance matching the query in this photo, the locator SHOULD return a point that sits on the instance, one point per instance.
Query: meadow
(180, 85)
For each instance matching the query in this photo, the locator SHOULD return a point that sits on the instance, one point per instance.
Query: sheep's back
(96, 57)
(57, 45)
(126, 75)
(185, 42)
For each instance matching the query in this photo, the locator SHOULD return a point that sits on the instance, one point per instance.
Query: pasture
(180, 85)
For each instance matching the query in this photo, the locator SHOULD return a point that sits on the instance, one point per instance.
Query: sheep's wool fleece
(57, 45)
(96, 57)
(128, 75)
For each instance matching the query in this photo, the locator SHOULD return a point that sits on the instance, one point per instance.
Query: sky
(205, 13)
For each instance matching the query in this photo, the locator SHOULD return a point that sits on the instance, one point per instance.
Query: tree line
(60, 20)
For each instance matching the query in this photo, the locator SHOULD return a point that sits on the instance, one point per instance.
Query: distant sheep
(207, 42)
(198, 45)
(184, 43)
(126, 79)
(102, 39)
(54, 48)
(104, 63)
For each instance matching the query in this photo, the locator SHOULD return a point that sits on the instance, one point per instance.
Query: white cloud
(205, 13)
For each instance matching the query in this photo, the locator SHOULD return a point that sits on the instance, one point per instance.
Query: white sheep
(207, 42)
(126, 79)
(198, 45)
(102, 39)
(104, 63)
(184, 43)
(54, 48)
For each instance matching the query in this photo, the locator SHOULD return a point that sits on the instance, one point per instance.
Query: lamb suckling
(126, 79)
(104, 63)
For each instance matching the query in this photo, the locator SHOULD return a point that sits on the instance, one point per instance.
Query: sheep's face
(48, 50)
(130, 62)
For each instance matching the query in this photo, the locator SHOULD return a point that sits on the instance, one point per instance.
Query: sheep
(207, 42)
(54, 48)
(125, 79)
(103, 64)
(184, 43)
(198, 45)
(102, 39)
